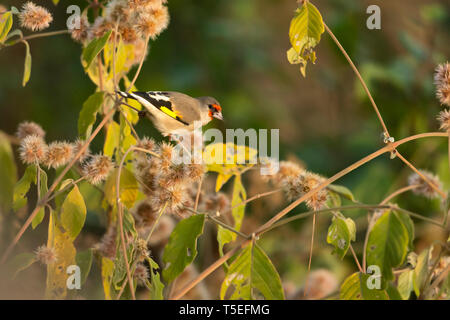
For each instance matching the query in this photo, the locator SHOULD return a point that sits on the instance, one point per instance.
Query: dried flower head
(107, 245)
(100, 27)
(117, 10)
(141, 273)
(142, 4)
(128, 33)
(34, 18)
(28, 128)
(145, 214)
(97, 168)
(321, 283)
(172, 198)
(444, 119)
(58, 154)
(295, 187)
(141, 249)
(442, 82)
(166, 152)
(77, 146)
(152, 22)
(147, 144)
(195, 172)
(82, 33)
(423, 188)
(45, 255)
(33, 150)
(217, 202)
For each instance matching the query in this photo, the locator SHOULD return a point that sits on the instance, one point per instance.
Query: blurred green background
(235, 50)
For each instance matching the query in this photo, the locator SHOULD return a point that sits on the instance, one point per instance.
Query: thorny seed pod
(34, 18)
(58, 154)
(33, 150)
(45, 255)
(423, 188)
(28, 128)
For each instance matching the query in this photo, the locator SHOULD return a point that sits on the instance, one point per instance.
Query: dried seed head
(423, 188)
(45, 255)
(138, 53)
(128, 33)
(100, 27)
(77, 146)
(321, 283)
(166, 151)
(444, 119)
(295, 187)
(217, 202)
(58, 154)
(195, 172)
(145, 214)
(143, 4)
(442, 82)
(28, 128)
(82, 33)
(98, 168)
(162, 231)
(286, 169)
(147, 144)
(141, 273)
(33, 150)
(152, 22)
(172, 197)
(107, 245)
(34, 18)
(117, 10)
(141, 249)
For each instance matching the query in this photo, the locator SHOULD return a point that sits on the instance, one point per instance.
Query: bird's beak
(218, 115)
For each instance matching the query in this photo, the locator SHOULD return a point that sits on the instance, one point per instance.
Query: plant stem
(199, 190)
(355, 70)
(310, 254)
(120, 214)
(161, 212)
(356, 259)
(38, 35)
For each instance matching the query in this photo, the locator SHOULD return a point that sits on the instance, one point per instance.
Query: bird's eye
(211, 106)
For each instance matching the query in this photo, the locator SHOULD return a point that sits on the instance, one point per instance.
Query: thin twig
(199, 190)
(37, 35)
(144, 54)
(310, 253)
(120, 214)
(356, 259)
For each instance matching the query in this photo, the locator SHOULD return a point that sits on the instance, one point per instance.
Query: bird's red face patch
(215, 111)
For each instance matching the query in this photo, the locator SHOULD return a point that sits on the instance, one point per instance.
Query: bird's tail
(125, 94)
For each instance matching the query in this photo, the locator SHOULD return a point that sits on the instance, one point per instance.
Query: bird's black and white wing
(160, 100)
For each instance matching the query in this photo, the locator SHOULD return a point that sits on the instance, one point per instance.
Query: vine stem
(38, 35)
(140, 64)
(310, 253)
(52, 188)
(289, 208)
(161, 212)
(356, 259)
(361, 80)
(199, 190)
(120, 214)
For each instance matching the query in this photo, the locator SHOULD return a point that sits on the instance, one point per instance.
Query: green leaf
(304, 34)
(88, 114)
(27, 65)
(405, 284)
(6, 21)
(84, 261)
(8, 174)
(421, 271)
(225, 236)
(38, 218)
(93, 49)
(73, 212)
(409, 225)
(341, 231)
(107, 274)
(23, 186)
(21, 262)
(342, 191)
(252, 269)
(128, 188)
(112, 139)
(388, 244)
(156, 286)
(182, 247)
(355, 288)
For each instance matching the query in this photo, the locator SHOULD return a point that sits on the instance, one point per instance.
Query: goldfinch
(171, 112)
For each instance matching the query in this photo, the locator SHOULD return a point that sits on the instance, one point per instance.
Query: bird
(173, 112)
